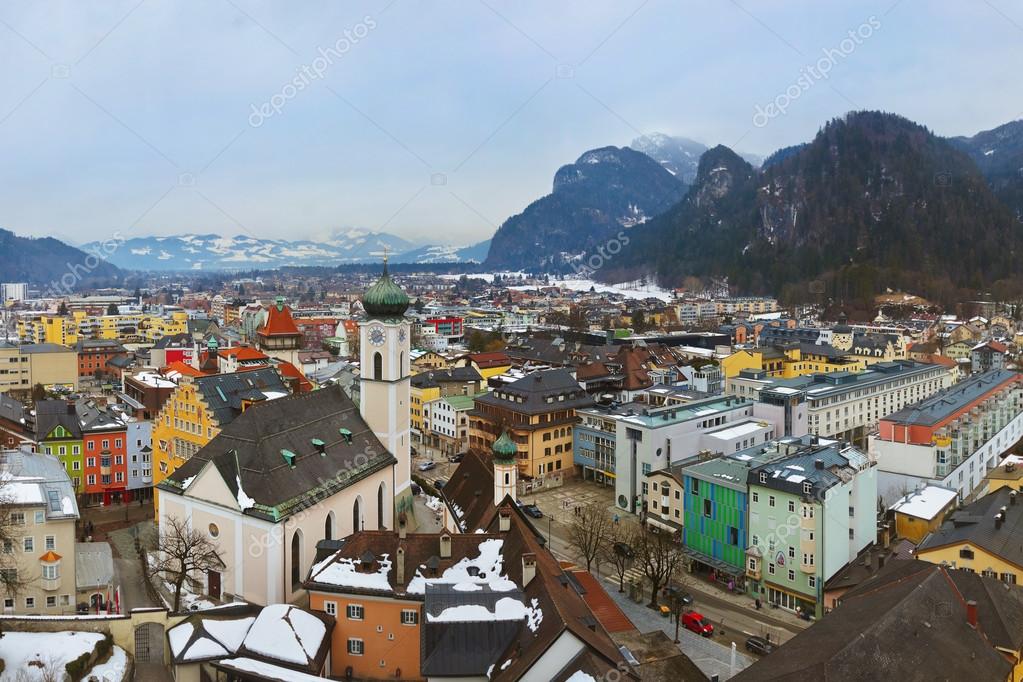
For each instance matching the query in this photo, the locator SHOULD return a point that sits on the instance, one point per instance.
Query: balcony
(50, 584)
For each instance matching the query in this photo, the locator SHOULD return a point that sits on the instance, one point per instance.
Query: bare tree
(659, 556)
(183, 551)
(589, 531)
(619, 551)
(12, 524)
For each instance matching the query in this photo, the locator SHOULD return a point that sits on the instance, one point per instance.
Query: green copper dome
(504, 449)
(385, 298)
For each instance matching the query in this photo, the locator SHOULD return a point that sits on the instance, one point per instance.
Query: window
(355, 646)
(40, 517)
(770, 568)
(852, 533)
(355, 612)
(754, 541)
(51, 571)
(51, 602)
(30, 602)
(792, 505)
(17, 518)
(8, 603)
(792, 575)
(756, 496)
(763, 477)
(792, 552)
(409, 617)
(770, 500)
(811, 581)
(707, 508)
(752, 564)
(807, 487)
(1009, 578)
(964, 553)
(29, 543)
(90, 461)
(695, 486)
(330, 608)
(51, 542)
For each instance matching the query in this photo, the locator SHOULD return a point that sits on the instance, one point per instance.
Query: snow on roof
(925, 503)
(487, 571)
(230, 633)
(286, 633)
(204, 648)
(244, 501)
(267, 671)
(580, 676)
(506, 608)
(179, 637)
(342, 573)
(737, 430)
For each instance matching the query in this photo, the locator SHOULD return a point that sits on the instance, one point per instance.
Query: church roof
(279, 321)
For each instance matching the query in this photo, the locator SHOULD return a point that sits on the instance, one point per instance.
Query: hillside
(605, 191)
(873, 201)
(59, 268)
(999, 155)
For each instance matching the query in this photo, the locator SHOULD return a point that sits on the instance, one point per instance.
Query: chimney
(1012, 497)
(528, 568)
(505, 521)
(399, 566)
(445, 545)
(818, 464)
(971, 613)
(998, 520)
(402, 526)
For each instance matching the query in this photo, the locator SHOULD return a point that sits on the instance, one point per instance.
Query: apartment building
(42, 516)
(446, 424)
(812, 510)
(49, 364)
(951, 439)
(539, 412)
(840, 405)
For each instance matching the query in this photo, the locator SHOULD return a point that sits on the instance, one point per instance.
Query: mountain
(59, 268)
(474, 253)
(999, 155)
(680, 155)
(215, 252)
(873, 201)
(605, 191)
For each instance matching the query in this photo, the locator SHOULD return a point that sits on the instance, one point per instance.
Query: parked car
(456, 458)
(439, 483)
(759, 646)
(623, 549)
(533, 511)
(416, 489)
(695, 622)
(426, 466)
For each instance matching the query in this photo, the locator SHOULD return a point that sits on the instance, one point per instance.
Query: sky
(437, 120)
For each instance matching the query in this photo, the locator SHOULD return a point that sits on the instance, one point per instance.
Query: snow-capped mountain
(243, 252)
(680, 155)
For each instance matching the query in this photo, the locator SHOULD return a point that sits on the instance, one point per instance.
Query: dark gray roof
(946, 403)
(45, 348)
(174, 340)
(251, 448)
(907, 622)
(96, 345)
(12, 409)
(224, 393)
(51, 413)
(836, 462)
(529, 394)
(466, 649)
(434, 378)
(93, 418)
(440, 597)
(975, 524)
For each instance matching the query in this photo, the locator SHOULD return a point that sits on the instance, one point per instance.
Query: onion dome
(385, 298)
(504, 448)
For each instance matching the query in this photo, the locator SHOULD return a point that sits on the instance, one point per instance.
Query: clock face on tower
(401, 335)
(376, 336)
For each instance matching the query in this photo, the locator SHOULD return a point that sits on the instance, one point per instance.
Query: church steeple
(385, 298)
(506, 470)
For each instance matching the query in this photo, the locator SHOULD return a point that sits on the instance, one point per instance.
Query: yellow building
(199, 407)
(922, 512)
(489, 365)
(986, 537)
(129, 328)
(429, 360)
(538, 412)
(428, 386)
(786, 363)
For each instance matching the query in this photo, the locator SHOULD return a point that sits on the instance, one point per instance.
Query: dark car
(533, 511)
(439, 483)
(695, 622)
(759, 646)
(622, 549)
(455, 459)
(416, 489)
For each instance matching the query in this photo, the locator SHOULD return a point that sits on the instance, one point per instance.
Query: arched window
(328, 527)
(296, 560)
(356, 515)
(381, 494)
(378, 366)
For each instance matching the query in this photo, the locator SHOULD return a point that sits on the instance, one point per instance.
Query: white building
(13, 291)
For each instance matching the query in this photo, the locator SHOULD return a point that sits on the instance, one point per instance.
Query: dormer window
(763, 477)
(807, 487)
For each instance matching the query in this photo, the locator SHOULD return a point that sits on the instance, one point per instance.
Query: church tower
(506, 470)
(384, 337)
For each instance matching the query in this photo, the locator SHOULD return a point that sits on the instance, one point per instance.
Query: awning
(654, 521)
(716, 564)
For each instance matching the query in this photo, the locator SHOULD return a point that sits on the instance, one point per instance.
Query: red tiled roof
(604, 608)
(279, 322)
(181, 368)
(294, 375)
(243, 353)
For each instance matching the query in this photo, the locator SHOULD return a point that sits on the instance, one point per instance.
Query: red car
(695, 622)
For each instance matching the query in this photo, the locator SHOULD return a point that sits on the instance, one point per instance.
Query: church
(290, 472)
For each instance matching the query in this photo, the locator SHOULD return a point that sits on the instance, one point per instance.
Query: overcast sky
(436, 120)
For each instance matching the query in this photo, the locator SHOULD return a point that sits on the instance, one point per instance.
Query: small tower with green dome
(506, 468)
